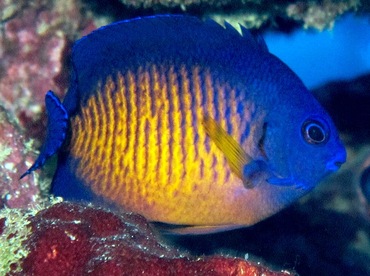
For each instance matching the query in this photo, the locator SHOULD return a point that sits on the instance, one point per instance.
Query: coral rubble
(72, 239)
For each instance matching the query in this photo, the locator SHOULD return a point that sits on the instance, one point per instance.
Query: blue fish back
(128, 44)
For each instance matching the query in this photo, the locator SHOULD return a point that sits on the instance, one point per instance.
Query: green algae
(15, 232)
(5, 151)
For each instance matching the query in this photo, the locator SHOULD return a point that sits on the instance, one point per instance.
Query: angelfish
(188, 123)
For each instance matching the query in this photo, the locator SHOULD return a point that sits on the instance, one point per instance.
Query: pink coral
(33, 49)
(34, 46)
(14, 159)
(71, 239)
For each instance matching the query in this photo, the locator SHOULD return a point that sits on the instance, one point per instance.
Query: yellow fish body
(177, 127)
(142, 146)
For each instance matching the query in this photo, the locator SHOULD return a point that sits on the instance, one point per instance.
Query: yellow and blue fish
(187, 123)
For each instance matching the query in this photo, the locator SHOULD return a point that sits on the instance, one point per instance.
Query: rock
(255, 13)
(15, 157)
(34, 46)
(348, 104)
(73, 239)
(34, 55)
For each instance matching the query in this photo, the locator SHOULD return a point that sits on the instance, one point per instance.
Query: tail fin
(56, 130)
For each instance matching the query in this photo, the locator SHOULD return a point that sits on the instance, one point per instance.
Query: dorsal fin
(210, 22)
(56, 130)
(125, 45)
(230, 28)
(255, 37)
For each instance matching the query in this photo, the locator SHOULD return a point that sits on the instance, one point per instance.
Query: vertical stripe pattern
(140, 141)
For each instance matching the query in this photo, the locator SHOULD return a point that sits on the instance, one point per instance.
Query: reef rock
(34, 46)
(254, 13)
(15, 157)
(72, 239)
(348, 102)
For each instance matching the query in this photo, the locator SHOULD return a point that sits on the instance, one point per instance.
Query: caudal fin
(56, 130)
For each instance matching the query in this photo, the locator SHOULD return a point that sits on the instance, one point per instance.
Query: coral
(254, 13)
(15, 158)
(72, 239)
(181, 3)
(34, 45)
(14, 231)
(319, 14)
(34, 40)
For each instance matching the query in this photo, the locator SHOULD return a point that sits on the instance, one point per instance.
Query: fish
(187, 122)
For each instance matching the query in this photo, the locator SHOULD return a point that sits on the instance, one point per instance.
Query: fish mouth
(333, 166)
(336, 162)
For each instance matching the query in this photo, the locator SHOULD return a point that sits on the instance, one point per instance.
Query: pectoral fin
(239, 161)
(254, 172)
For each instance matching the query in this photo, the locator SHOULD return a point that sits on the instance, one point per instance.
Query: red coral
(2, 225)
(71, 239)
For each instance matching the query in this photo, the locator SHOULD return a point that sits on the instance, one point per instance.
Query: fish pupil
(314, 132)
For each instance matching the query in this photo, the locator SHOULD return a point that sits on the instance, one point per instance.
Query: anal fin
(168, 229)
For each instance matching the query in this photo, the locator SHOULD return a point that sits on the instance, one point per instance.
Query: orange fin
(234, 153)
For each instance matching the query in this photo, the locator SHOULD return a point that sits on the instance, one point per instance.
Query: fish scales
(186, 122)
(187, 118)
(178, 167)
(111, 131)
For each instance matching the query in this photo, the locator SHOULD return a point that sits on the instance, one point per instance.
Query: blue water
(318, 57)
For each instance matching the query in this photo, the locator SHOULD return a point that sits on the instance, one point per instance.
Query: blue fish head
(306, 147)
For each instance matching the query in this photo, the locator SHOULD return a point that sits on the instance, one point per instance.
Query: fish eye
(314, 132)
